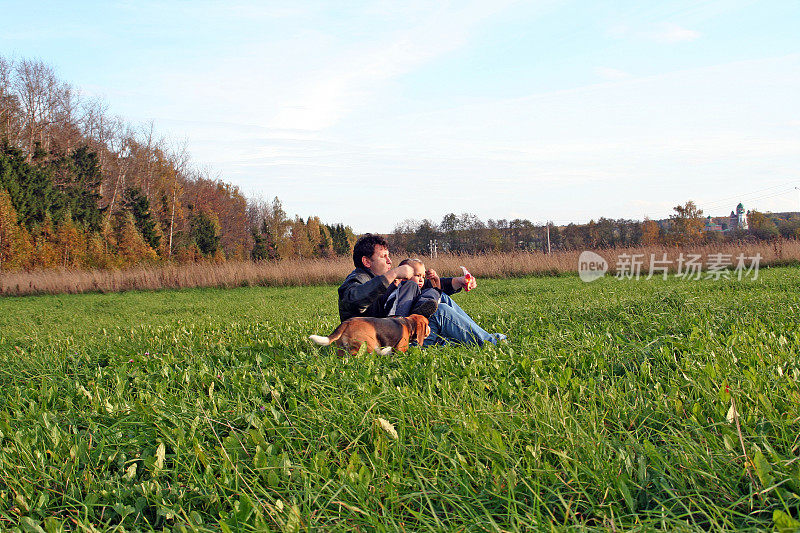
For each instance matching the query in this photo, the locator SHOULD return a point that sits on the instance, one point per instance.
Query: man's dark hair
(365, 247)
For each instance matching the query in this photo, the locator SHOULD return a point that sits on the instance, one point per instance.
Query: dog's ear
(420, 327)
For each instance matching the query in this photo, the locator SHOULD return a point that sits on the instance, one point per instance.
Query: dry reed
(332, 271)
(505, 265)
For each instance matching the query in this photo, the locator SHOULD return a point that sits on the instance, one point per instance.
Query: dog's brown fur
(390, 333)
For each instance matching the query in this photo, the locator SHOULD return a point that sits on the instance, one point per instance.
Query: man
(365, 290)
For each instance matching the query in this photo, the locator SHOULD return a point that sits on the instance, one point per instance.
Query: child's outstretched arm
(433, 277)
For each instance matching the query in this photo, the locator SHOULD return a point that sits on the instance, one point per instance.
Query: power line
(717, 205)
(724, 200)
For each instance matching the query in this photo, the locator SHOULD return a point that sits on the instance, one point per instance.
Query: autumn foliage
(82, 189)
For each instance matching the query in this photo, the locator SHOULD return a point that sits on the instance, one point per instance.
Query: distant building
(737, 220)
(712, 226)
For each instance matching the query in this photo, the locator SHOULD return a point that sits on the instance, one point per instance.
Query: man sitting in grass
(367, 288)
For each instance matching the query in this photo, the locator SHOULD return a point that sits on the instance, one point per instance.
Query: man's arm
(356, 294)
(451, 286)
(461, 282)
(400, 272)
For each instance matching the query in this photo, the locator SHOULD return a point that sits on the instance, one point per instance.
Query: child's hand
(433, 277)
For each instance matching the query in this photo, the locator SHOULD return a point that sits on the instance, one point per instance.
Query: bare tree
(120, 143)
(55, 97)
(8, 101)
(33, 84)
(147, 154)
(65, 132)
(180, 159)
(95, 126)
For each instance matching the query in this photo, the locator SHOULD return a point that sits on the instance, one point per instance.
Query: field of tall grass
(618, 404)
(320, 271)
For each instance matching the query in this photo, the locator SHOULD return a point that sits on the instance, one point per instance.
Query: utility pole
(548, 238)
(432, 246)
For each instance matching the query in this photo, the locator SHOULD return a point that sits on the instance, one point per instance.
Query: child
(414, 296)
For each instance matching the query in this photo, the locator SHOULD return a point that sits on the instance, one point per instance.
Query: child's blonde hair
(411, 260)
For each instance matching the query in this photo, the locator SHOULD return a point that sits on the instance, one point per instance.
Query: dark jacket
(364, 294)
(361, 294)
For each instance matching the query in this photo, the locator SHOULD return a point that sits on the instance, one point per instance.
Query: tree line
(81, 188)
(466, 233)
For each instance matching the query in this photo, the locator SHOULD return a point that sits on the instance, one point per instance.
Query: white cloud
(665, 32)
(567, 154)
(611, 74)
(672, 33)
(618, 31)
(323, 98)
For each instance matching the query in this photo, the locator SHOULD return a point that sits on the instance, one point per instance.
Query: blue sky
(369, 113)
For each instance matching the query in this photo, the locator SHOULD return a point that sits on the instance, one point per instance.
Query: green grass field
(610, 408)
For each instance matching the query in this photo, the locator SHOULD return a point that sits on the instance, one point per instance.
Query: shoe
(499, 338)
(425, 308)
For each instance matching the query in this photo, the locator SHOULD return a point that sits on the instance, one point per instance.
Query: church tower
(741, 217)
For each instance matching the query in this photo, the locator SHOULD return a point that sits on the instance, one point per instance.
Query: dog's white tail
(386, 350)
(319, 339)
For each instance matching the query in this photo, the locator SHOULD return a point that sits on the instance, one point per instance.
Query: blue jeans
(452, 325)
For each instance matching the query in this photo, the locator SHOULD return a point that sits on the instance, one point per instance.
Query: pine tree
(162, 247)
(263, 244)
(334, 233)
(31, 189)
(259, 251)
(325, 242)
(343, 239)
(299, 236)
(319, 237)
(139, 206)
(45, 254)
(95, 251)
(108, 236)
(132, 246)
(205, 232)
(69, 242)
(350, 239)
(77, 178)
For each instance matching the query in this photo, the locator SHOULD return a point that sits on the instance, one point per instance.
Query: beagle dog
(379, 334)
